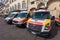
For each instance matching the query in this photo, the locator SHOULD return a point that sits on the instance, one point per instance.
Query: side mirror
(53, 18)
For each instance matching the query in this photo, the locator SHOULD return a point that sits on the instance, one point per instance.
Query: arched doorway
(54, 7)
(41, 4)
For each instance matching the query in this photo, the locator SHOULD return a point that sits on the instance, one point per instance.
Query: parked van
(40, 22)
(57, 20)
(12, 15)
(21, 19)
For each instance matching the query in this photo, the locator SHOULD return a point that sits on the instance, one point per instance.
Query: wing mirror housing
(53, 18)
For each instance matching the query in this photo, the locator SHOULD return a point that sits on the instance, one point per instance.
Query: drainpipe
(27, 4)
(46, 3)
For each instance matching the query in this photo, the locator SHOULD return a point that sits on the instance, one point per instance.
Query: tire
(56, 23)
(9, 22)
(53, 30)
(21, 25)
(17, 25)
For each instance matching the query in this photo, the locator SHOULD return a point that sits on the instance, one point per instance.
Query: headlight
(47, 27)
(19, 22)
(15, 21)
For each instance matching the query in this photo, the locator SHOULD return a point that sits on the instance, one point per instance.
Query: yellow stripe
(22, 19)
(46, 22)
(29, 20)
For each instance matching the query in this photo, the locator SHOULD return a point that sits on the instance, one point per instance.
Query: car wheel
(17, 25)
(20, 26)
(56, 23)
(53, 30)
(9, 22)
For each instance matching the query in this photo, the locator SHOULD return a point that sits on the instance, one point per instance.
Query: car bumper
(6, 20)
(39, 33)
(16, 23)
(37, 30)
(58, 23)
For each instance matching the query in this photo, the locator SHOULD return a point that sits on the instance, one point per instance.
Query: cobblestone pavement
(11, 32)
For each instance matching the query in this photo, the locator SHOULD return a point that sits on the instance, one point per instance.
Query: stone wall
(54, 7)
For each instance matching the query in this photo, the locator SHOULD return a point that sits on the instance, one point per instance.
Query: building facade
(1, 6)
(6, 7)
(10, 5)
(53, 5)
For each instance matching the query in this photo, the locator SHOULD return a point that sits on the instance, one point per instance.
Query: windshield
(41, 15)
(11, 15)
(22, 15)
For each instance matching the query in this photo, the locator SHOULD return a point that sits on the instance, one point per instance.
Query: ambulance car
(21, 19)
(57, 19)
(9, 18)
(40, 22)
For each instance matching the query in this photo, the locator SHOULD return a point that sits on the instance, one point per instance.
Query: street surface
(11, 32)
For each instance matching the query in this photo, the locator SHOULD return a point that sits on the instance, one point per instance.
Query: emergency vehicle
(21, 19)
(57, 20)
(12, 15)
(40, 22)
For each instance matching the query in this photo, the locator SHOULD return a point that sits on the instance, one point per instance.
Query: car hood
(8, 18)
(43, 22)
(18, 19)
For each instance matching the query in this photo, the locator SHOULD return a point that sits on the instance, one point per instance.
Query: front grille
(36, 28)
